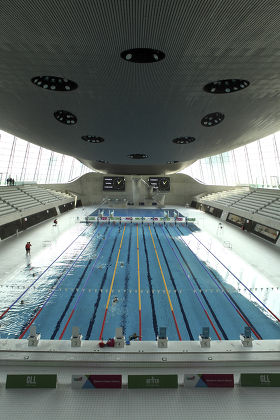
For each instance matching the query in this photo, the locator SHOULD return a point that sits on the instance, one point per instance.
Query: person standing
(27, 248)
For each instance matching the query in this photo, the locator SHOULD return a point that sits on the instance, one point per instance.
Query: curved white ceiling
(139, 107)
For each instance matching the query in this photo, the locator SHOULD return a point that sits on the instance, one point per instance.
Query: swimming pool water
(95, 285)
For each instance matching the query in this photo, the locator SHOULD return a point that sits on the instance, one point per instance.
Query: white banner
(180, 220)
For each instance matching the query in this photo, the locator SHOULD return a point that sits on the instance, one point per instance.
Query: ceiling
(140, 107)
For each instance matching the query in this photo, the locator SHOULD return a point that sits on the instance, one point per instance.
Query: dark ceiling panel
(140, 107)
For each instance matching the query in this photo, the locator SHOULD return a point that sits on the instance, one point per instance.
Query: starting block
(34, 338)
(119, 338)
(246, 338)
(76, 339)
(204, 338)
(162, 340)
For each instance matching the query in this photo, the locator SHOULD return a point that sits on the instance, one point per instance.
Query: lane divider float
(194, 289)
(111, 287)
(5, 312)
(56, 287)
(83, 288)
(167, 293)
(222, 290)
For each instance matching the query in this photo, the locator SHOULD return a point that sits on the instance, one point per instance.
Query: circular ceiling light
(183, 140)
(172, 161)
(102, 161)
(212, 119)
(138, 156)
(93, 139)
(54, 83)
(65, 117)
(226, 86)
(142, 55)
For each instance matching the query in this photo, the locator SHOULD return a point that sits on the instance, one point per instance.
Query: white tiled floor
(65, 403)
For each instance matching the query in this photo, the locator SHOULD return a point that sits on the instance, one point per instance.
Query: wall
(89, 189)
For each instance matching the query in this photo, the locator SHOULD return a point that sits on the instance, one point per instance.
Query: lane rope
(236, 277)
(111, 287)
(167, 293)
(83, 288)
(5, 312)
(193, 287)
(58, 284)
(221, 289)
(139, 289)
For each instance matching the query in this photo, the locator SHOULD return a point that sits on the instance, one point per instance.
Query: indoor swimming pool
(138, 277)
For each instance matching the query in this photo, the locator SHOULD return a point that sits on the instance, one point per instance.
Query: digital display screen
(113, 183)
(160, 183)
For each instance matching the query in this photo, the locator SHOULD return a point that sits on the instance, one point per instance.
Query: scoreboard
(113, 183)
(160, 183)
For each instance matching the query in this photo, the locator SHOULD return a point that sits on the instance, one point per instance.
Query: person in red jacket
(27, 247)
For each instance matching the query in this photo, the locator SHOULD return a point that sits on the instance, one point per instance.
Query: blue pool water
(102, 264)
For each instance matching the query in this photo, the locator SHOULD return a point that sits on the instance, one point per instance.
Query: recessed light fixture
(212, 119)
(137, 156)
(172, 161)
(54, 83)
(93, 139)
(226, 86)
(183, 140)
(142, 55)
(65, 117)
(102, 161)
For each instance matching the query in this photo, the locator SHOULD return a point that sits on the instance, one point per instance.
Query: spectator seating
(19, 198)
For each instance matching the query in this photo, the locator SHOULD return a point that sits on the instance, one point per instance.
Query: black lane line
(92, 320)
(35, 310)
(124, 306)
(175, 288)
(52, 286)
(199, 287)
(58, 324)
(155, 324)
(226, 291)
(69, 301)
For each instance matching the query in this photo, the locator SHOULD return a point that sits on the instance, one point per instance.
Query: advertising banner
(137, 219)
(96, 381)
(92, 218)
(148, 219)
(114, 219)
(152, 381)
(180, 219)
(159, 220)
(260, 379)
(31, 381)
(170, 219)
(126, 219)
(209, 380)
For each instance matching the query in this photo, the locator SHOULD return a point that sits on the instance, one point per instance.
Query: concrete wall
(89, 189)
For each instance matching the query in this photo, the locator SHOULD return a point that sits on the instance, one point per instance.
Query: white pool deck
(141, 357)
